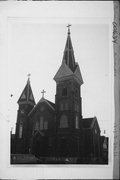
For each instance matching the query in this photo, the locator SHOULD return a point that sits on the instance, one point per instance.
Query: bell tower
(26, 103)
(68, 97)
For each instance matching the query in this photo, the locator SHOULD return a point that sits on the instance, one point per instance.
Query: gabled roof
(49, 103)
(88, 123)
(65, 72)
(69, 67)
(52, 104)
(27, 95)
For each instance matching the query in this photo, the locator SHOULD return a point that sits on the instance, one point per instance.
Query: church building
(48, 129)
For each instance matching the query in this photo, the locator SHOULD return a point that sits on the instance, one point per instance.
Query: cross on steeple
(43, 93)
(68, 26)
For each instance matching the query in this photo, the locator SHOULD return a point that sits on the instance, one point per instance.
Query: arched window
(76, 122)
(64, 91)
(20, 131)
(41, 123)
(63, 121)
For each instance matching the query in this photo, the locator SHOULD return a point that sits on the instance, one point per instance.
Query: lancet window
(20, 131)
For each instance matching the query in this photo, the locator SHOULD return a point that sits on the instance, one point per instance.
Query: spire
(68, 57)
(69, 67)
(27, 94)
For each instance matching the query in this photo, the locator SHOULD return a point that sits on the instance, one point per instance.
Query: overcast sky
(38, 49)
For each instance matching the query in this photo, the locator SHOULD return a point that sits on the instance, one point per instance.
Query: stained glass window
(43, 123)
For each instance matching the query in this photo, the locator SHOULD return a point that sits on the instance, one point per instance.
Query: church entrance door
(39, 145)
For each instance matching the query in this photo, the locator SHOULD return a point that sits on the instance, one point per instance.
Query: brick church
(48, 129)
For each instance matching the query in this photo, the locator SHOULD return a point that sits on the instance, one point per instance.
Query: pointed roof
(49, 103)
(27, 95)
(64, 71)
(68, 56)
(88, 123)
(69, 67)
(78, 74)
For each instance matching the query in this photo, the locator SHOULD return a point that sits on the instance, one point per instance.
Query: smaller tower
(26, 103)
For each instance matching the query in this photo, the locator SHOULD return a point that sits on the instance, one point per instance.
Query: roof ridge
(43, 100)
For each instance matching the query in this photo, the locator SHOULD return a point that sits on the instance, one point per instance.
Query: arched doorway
(39, 144)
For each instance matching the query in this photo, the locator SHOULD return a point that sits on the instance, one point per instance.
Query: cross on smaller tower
(43, 93)
(29, 76)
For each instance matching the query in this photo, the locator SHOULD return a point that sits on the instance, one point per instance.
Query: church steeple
(26, 103)
(68, 91)
(27, 94)
(69, 67)
(68, 56)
